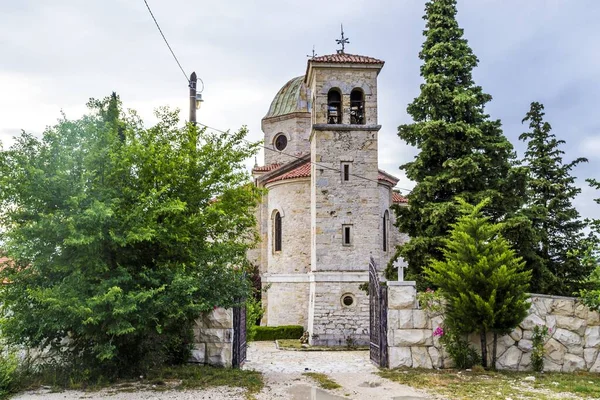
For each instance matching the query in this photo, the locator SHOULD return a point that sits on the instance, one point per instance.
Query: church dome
(292, 98)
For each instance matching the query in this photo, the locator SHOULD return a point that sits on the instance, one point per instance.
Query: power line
(168, 45)
(299, 157)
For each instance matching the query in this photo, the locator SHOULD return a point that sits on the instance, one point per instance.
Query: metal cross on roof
(343, 41)
(313, 53)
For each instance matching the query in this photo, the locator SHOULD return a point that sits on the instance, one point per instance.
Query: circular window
(347, 300)
(280, 142)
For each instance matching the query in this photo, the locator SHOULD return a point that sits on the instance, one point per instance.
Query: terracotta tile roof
(302, 171)
(266, 168)
(384, 176)
(3, 260)
(398, 198)
(345, 58)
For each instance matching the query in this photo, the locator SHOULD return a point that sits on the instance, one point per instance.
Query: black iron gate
(378, 318)
(239, 336)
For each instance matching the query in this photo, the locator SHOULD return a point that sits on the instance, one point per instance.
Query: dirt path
(284, 380)
(351, 369)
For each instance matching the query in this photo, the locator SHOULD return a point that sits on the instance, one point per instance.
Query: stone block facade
(331, 322)
(213, 339)
(573, 343)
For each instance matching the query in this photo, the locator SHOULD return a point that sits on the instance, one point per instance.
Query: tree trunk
(483, 337)
(494, 351)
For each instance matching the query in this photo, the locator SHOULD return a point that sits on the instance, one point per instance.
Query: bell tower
(345, 209)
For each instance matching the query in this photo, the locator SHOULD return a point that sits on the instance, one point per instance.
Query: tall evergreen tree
(557, 225)
(483, 281)
(461, 151)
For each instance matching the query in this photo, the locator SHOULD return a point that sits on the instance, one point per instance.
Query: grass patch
(290, 344)
(487, 385)
(179, 377)
(323, 380)
(201, 377)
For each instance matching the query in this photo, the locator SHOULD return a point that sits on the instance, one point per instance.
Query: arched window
(386, 221)
(277, 232)
(334, 107)
(357, 107)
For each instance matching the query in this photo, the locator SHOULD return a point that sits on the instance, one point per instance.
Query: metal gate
(378, 318)
(239, 336)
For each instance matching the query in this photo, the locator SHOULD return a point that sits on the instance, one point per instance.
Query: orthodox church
(327, 208)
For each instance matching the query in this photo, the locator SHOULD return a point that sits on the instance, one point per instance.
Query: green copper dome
(291, 98)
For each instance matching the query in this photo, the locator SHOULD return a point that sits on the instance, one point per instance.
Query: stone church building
(327, 206)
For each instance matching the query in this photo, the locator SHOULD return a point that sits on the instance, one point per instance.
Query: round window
(347, 300)
(281, 142)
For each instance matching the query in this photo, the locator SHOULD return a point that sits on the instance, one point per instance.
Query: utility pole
(193, 82)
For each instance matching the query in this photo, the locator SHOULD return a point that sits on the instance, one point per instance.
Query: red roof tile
(266, 168)
(398, 198)
(302, 171)
(344, 58)
(3, 260)
(384, 176)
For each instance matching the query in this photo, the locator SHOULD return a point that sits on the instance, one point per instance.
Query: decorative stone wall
(213, 339)
(573, 343)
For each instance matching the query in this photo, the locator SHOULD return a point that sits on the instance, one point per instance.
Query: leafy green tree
(590, 256)
(481, 278)
(557, 225)
(121, 235)
(461, 151)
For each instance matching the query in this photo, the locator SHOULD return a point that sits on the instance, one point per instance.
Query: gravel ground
(282, 372)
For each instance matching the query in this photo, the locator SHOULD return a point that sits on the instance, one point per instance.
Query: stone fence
(213, 338)
(572, 344)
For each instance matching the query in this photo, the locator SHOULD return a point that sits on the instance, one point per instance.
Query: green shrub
(540, 333)
(8, 369)
(458, 348)
(254, 312)
(278, 332)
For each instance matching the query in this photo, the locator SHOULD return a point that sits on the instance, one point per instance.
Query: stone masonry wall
(572, 345)
(287, 303)
(334, 323)
(296, 128)
(213, 339)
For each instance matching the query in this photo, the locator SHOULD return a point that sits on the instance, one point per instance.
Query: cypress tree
(557, 225)
(462, 152)
(482, 280)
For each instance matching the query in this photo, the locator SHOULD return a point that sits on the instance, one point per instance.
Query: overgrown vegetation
(62, 376)
(278, 332)
(487, 385)
(483, 282)
(120, 236)
(540, 334)
(8, 372)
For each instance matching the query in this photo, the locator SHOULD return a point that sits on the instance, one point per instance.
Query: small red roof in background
(344, 58)
(266, 168)
(3, 261)
(302, 171)
(398, 198)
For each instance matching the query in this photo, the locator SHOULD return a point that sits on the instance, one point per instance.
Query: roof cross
(313, 53)
(343, 41)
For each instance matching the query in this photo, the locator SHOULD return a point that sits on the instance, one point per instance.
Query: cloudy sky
(55, 55)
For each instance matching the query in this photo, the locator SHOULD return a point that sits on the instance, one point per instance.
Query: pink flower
(429, 290)
(439, 331)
